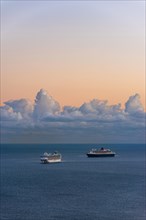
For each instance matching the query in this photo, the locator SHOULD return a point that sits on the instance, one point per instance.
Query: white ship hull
(50, 161)
(51, 158)
(54, 161)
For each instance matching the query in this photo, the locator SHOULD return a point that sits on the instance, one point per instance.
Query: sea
(78, 188)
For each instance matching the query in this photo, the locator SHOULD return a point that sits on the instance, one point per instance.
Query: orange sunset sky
(76, 50)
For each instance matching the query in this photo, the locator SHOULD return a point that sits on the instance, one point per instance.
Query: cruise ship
(102, 152)
(51, 157)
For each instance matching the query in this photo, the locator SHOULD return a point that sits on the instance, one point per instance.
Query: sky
(73, 71)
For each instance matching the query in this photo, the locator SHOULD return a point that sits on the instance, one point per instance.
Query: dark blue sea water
(79, 188)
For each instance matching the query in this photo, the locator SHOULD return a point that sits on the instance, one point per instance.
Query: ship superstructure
(51, 157)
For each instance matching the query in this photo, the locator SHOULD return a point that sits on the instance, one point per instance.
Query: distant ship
(102, 152)
(51, 157)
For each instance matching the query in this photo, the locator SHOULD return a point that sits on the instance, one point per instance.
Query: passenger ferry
(51, 157)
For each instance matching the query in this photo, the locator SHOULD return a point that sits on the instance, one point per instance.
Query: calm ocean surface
(79, 188)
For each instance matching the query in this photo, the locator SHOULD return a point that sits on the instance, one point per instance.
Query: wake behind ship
(51, 157)
(102, 152)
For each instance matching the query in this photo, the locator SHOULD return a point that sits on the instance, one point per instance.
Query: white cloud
(134, 104)
(94, 106)
(101, 109)
(45, 105)
(94, 120)
(8, 114)
(22, 106)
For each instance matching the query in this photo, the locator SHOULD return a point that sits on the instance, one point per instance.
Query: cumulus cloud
(100, 110)
(93, 120)
(22, 107)
(8, 114)
(45, 105)
(94, 106)
(134, 105)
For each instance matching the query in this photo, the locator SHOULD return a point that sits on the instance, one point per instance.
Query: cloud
(22, 107)
(100, 110)
(134, 105)
(93, 121)
(8, 114)
(45, 105)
